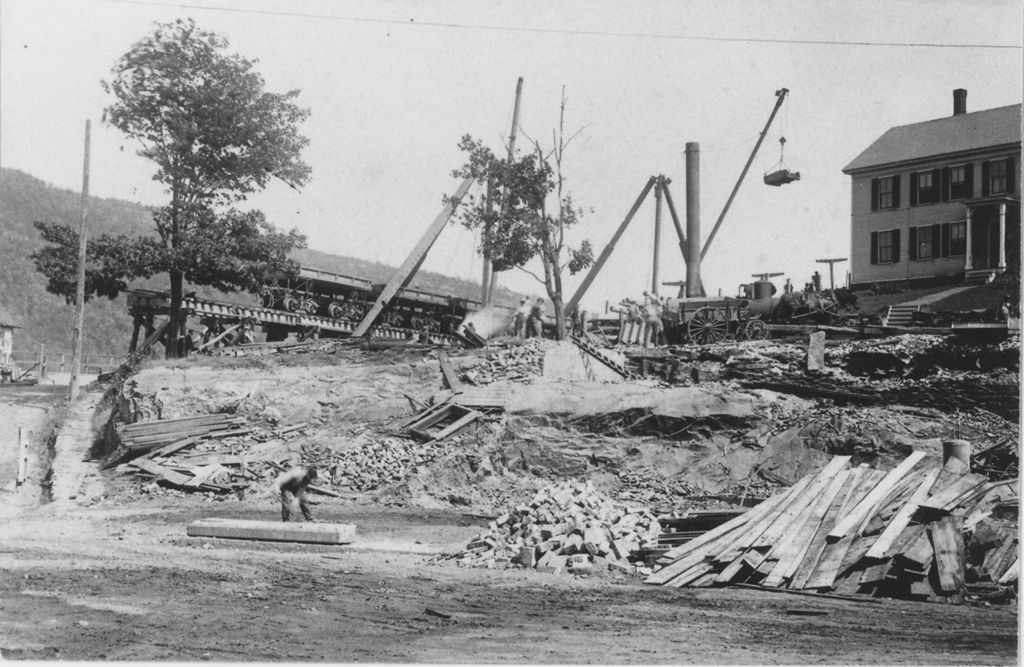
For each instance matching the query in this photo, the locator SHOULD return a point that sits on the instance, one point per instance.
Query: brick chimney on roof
(959, 101)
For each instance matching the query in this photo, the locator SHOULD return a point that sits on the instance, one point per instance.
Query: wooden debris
(854, 531)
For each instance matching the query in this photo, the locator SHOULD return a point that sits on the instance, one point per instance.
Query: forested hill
(45, 319)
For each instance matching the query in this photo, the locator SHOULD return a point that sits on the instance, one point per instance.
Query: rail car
(349, 298)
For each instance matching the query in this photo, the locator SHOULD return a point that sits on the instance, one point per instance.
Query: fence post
(42, 360)
(22, 460)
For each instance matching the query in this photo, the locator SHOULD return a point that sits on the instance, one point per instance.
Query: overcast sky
(393, 85)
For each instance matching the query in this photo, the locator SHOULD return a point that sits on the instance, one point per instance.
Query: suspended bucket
(781, 177)
(780, 174)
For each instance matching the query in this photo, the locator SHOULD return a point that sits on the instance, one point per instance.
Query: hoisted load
(780, 174)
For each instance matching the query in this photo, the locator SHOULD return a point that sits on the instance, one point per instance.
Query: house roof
(5, 318)
(952, 134)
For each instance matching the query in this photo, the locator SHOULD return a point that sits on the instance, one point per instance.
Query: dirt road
(113, 583)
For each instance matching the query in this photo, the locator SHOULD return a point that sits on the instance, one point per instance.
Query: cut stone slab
(274, 531)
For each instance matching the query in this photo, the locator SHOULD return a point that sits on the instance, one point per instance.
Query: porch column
(1002, 235)
(968, 261)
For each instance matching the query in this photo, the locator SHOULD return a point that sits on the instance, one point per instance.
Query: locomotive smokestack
(693, 286)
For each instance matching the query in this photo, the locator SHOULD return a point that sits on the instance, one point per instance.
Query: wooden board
(948, 552)
(818, 542)
(274, 531)
(448, 372)
(902, 518)
(963, 486)
(864, 508)
(790, 552)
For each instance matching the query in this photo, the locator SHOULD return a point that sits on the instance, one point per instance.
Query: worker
(293, 485)
(522, 313)
(652, 316)
(535, 322)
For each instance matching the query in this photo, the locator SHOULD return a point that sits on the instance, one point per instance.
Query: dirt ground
(107, 583)
(111, 575)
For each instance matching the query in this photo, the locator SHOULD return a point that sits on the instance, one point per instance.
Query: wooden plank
(832, 556)
(817, 545)
(919, 551)
(792, 550)
(880, 549)
(868, 504)
(274, 531)
(949, 559)
(203, 474)
(164, 424)
(1012, 573)
(961, 487)
(736, 544)
(448, 372)
(828, 596)
(681, 558)
(875, 573)
(460, 423)
(792, 513)
(431, 417)
(172, 448)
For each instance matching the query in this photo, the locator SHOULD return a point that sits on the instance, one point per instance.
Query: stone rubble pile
(376, 463)
(518, 363)
(567, 527)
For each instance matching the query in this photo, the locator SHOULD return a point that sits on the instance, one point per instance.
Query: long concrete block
(275, 531)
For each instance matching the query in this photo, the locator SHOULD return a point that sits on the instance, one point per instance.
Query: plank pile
(169, 435)
(853, 530)
(227, 463)
(518, 363)
(567, 527)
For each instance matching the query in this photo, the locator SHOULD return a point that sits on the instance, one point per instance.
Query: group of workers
(529, 318)
(648, 310)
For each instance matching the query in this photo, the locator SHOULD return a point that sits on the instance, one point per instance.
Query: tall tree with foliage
(515, 211)
(216, 135)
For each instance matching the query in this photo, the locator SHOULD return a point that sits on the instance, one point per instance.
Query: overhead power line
(562, 31)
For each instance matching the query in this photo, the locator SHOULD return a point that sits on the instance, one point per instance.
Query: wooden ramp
(274, 531)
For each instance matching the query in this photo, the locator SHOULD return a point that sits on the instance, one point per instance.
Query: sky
(393, 85)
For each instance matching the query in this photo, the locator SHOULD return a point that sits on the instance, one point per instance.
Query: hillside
(45, 319)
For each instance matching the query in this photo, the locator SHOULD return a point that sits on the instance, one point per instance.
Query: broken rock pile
(376, 463)
(518, 363)
(567, 527)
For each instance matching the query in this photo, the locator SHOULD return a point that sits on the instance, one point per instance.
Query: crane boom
(781, 95)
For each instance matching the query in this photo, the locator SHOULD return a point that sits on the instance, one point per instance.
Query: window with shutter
(886, 247)
(912, 247)
(958, 183)
(957, 238)
(896, 257)
(874, 247)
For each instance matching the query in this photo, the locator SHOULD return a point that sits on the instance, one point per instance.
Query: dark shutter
(874, 195)
(874, 247)
(895, 191)
(912, 248)
(946, 231)
(1011, 180)
(896, 257)
(913, 188)
(969, 181)
(944, 194)
(984, 179)
(936, 239)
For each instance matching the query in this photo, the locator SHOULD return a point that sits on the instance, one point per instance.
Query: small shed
(7, 327)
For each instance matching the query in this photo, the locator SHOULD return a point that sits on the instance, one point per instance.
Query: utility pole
(657, 231)
(76, 335)
(831, 270)
(504, 195)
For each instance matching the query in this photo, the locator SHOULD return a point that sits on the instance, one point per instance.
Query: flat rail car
(220, 316)
(343, 297)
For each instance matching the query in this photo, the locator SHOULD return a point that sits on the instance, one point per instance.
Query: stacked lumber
(168, 435)
(567, 527)
(518, 363)
(853, 530)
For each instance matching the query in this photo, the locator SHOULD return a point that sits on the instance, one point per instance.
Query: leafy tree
(522, 227)
(203, 116)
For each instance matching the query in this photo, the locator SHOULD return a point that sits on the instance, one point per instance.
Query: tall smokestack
(693, 286)
(959, 101)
